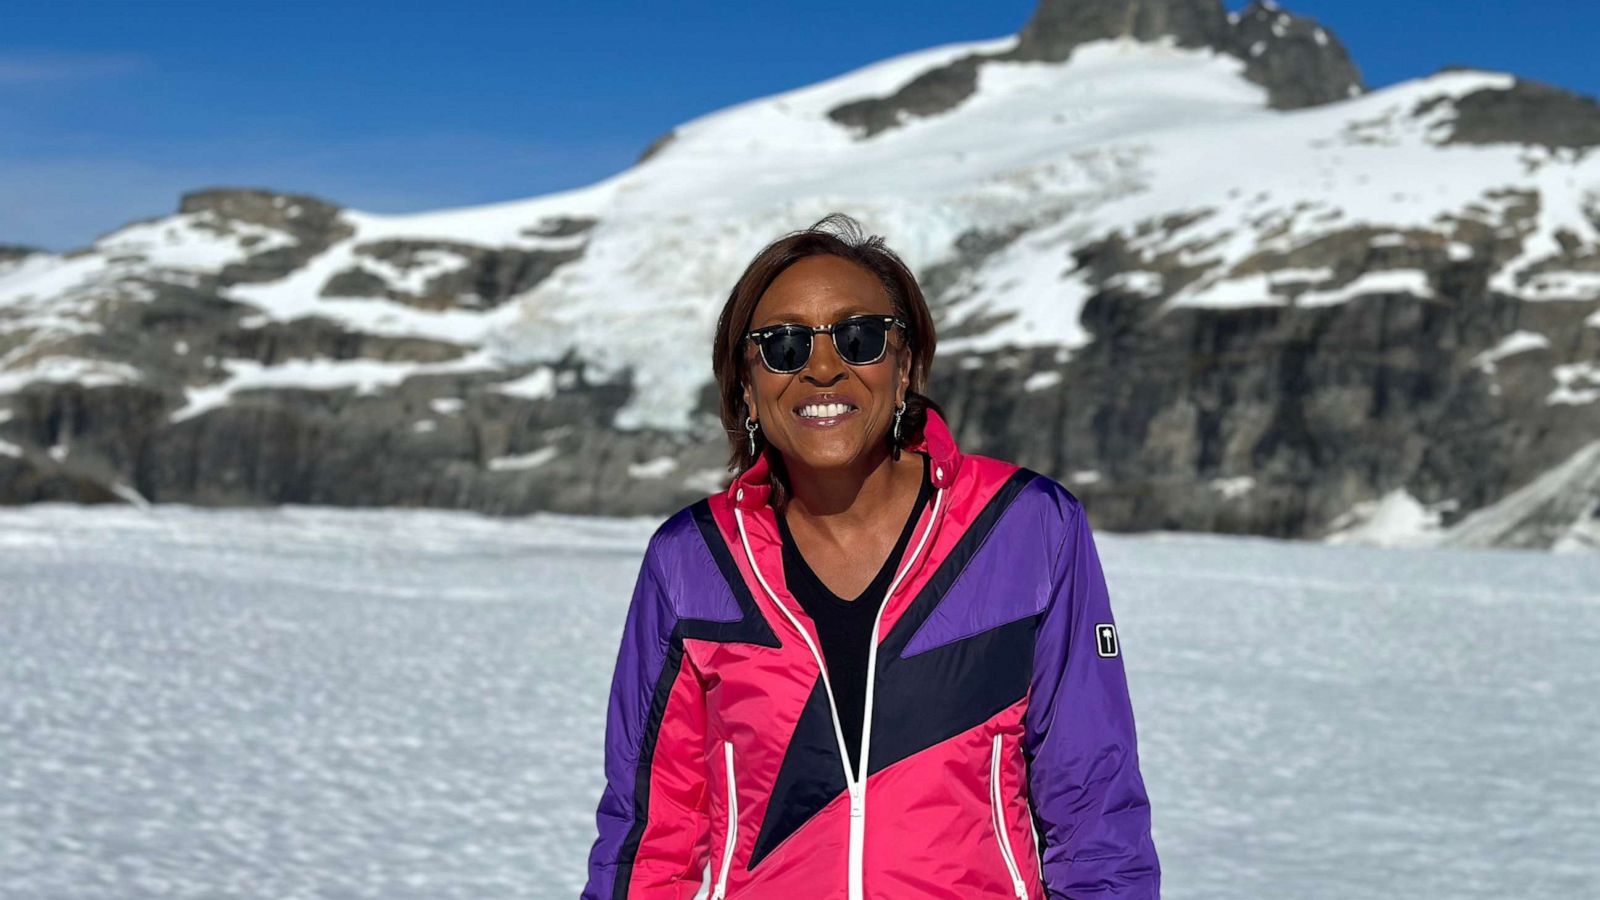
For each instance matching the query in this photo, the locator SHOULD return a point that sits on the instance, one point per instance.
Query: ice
(309, 702)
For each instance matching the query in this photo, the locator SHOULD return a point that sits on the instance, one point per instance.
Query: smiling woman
(872, 661)
(819, 278)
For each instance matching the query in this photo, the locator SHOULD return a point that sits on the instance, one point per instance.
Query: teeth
(824, 410)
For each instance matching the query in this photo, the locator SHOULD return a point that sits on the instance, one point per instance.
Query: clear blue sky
(108, 111)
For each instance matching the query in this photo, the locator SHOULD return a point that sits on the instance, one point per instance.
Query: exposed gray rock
(314, 225)
(1528, 113)
(1299, 62)
(11, 252)
(1057, 27)
(933, 92)
(485, 277)
(560, 226)
(657, 145)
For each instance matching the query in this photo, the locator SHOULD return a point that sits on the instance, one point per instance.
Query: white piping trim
(855, 786)
(733, 826)
(995, 803)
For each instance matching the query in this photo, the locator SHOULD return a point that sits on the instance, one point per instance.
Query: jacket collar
(750, 489)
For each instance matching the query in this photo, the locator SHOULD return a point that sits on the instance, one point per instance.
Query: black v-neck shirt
(844, 627)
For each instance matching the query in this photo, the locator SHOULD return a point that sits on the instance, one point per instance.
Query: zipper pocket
(733, 826)
(1000, 824)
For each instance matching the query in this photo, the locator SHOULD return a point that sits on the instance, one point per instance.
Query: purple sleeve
(1089, 801)
(651, 823)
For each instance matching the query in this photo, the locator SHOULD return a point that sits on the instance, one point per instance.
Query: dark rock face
(1299, 62)
(480, 277)
(657, 145)
(12, 252)
(313, 224)
(1296, 60)
(1528, 113)
(1307, 411)
(930, 93)
(1057, 27)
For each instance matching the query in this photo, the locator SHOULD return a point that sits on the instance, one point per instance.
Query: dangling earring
(897, 413)
(750, 428)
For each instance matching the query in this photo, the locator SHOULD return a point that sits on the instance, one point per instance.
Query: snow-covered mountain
(1180, 259)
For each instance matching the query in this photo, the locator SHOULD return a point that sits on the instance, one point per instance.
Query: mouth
(825, 415)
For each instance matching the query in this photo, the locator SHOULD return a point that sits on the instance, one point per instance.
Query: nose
(824, 367)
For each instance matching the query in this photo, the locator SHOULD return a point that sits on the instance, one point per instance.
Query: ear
(905, 372)
(750, 401)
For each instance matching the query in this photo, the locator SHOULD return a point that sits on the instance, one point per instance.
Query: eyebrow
(857, 310)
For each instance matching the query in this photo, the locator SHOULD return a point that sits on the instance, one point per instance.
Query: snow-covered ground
(324, 703)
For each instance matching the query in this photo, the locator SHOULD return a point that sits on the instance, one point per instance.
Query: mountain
(1181, 259)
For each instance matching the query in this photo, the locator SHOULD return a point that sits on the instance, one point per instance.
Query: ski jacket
(998, 735)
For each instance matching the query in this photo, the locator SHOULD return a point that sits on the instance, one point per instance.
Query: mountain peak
(1059, 26)
(1298, 61)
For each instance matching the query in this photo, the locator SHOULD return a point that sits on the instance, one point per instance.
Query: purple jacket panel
(1090, 805)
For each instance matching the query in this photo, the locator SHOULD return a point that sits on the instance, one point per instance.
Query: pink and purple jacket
(998, 736)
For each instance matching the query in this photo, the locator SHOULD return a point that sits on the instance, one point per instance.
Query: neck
(849, 494)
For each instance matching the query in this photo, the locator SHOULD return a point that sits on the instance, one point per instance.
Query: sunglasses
(860, 341)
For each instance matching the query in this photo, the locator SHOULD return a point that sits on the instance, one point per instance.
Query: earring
(897, 413)
(750, 428)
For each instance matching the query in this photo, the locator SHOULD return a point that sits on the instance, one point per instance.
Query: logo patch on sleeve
(1105, 638)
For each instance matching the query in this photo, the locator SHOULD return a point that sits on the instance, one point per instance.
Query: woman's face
(821, 290)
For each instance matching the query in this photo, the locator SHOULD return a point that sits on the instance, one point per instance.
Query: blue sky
(109, 111)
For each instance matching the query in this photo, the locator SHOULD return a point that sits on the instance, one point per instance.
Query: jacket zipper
(856, 786)
(1000, 834)
(733, 826)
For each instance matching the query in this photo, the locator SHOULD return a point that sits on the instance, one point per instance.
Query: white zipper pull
(857, 801)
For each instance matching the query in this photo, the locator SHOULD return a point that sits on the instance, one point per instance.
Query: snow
(1519, 341)
(87, 372)
(1039, 381)
(201, 241)
(1576, 383)
(1396, 519)
(366, 376)
(1112, 142)
(540, 384)
(308, 702)
(1382, 281)
(447, 406)
(660, 467)
(531, 460)
(1564, 493)
(1233, 488)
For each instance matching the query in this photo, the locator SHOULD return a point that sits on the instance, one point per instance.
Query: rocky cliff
(1180, 259)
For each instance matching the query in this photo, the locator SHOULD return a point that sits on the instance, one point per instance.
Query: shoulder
(1024, 489)
(1034, 502)
(681, 532)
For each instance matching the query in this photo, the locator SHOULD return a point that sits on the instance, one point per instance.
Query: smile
(825, 415)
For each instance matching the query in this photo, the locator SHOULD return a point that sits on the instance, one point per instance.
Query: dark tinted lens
(860, 341)
(786, 349)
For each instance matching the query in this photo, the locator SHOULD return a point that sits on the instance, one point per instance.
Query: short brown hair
(729, 362)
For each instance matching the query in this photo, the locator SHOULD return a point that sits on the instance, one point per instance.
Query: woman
(991, 752)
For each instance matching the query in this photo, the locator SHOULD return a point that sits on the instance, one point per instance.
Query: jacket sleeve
(653, 815)
(1089, 803)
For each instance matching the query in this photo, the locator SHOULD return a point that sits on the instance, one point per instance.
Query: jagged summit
(1298, 61)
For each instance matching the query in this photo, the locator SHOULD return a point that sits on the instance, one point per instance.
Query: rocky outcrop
(1299, 62)
(1057, 27)
(1527, 113)
(1260, 357)
(12, 252)
(452, 274)
(312, 223)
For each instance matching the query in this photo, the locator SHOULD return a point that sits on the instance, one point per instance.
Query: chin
(828, 452)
